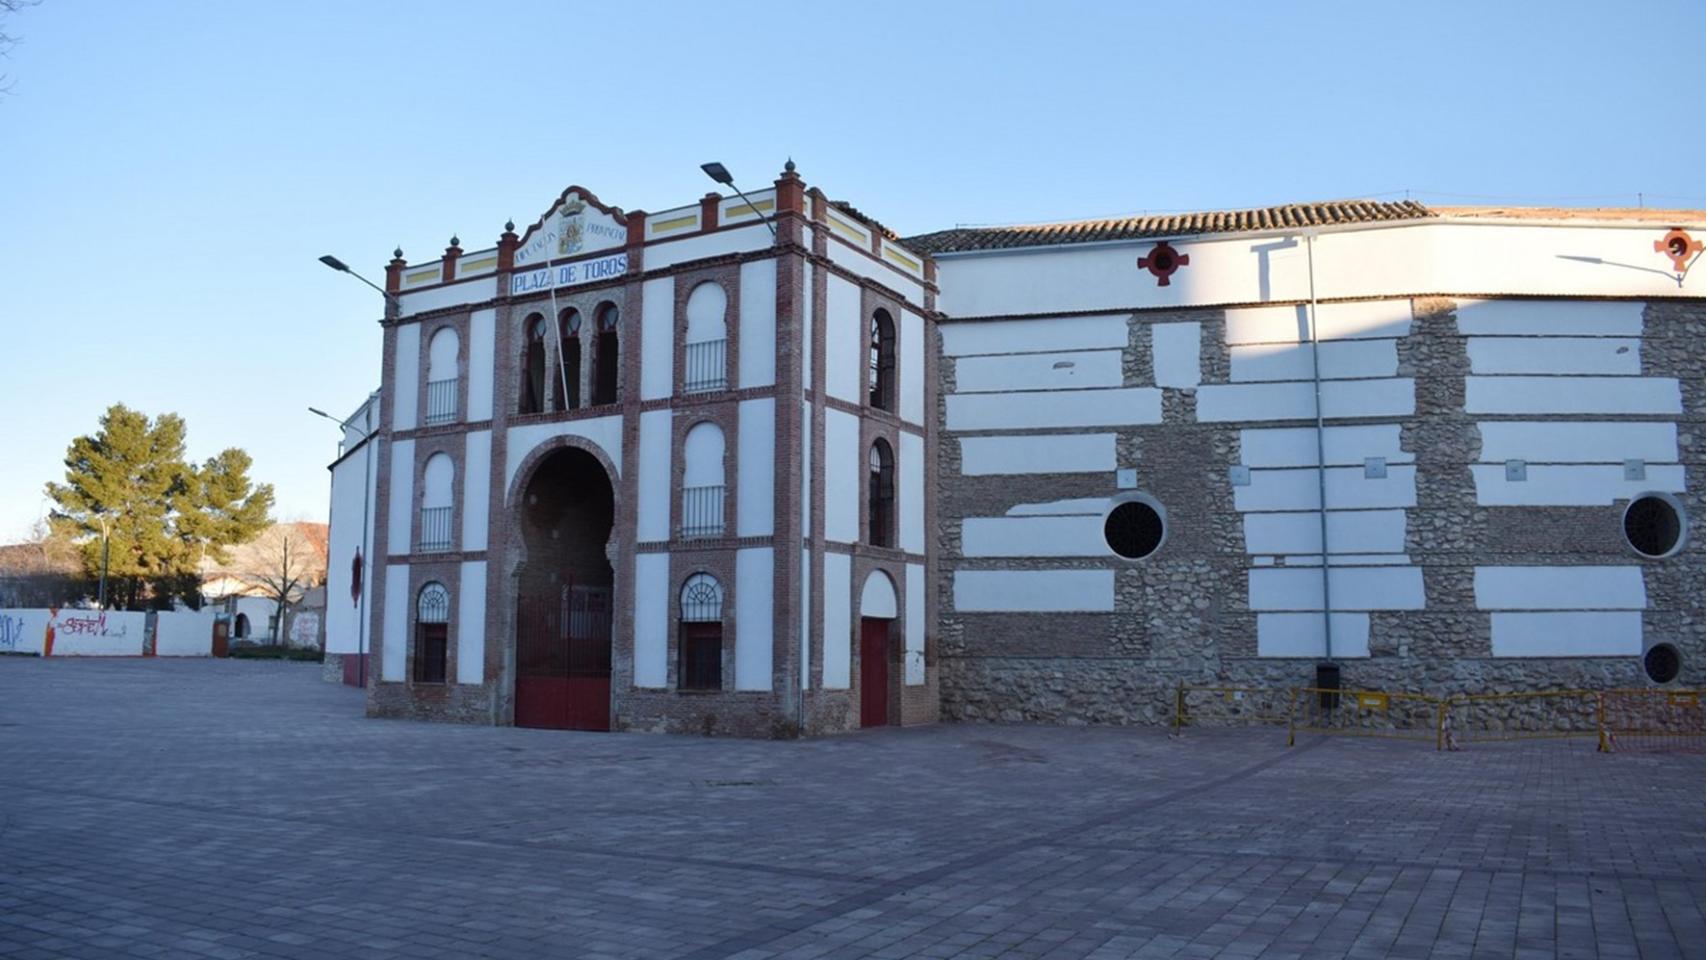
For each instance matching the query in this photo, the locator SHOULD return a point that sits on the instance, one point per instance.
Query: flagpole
(557, 325)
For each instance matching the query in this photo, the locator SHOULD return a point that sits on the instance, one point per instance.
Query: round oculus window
(1653, 526)
(1662, 663)
(1134, 529)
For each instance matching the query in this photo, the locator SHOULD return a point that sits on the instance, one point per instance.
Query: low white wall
(184, 633)
(96, 633)
(21, 631)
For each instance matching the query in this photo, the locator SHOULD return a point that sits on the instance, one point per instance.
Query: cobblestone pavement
(233, 809)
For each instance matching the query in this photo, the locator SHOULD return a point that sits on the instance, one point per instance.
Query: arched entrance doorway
(563, 600)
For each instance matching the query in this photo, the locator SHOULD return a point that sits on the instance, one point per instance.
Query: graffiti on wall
(12, 628)
(305, 630)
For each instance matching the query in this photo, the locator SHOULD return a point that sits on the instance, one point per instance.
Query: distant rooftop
(1289, 216)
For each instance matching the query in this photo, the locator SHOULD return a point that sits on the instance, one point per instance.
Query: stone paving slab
(231, 809)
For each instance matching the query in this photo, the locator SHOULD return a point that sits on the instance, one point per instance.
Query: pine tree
(130, 484)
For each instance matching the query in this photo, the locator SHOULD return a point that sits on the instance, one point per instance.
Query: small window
(605, 375)
(882, 361)
(701, 633)
(1653, 525)
(1134, 529)
(1662, 663)
(569, 384)
(533, 367)
(880, 495)
(432, 633)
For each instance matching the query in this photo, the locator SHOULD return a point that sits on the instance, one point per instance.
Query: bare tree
(284, 562)
(42, 571)
(8, 40)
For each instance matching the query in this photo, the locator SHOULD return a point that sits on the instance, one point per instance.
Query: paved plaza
(235, 809)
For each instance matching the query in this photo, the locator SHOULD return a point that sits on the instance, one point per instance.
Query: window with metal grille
(705, 367)
(702, 493)
(441, 402)
(435, 529)
(702, 511)
(882, 361)
(880, 495)
(533, 366)
(606, 358)
(705, 354)
(442, 376)
(432, 633)
(569, 383)
(701, 634)
(438, 480)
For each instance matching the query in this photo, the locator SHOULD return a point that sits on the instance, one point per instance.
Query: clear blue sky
(172, 170)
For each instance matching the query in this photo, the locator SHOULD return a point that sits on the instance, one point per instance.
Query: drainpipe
(1320, 449)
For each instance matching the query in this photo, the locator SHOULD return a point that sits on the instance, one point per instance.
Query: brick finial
(507, 242)
(790, 191)
(394, 271)
(636, 227)
(451, 254)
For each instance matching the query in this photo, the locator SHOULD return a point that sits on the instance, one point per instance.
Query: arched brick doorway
(563, 603)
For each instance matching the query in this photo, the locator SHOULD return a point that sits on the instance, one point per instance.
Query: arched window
(702, 489)
(701, 633)
(438, 481)
(571, 378)
(880, 495)
(432, 633)
(882, 361)
(442, 377)
(606, 357)
(242, 628)
(533, 367)
(705, 367)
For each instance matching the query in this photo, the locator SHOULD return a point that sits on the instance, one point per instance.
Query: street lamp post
(343, 267)
(366, 483)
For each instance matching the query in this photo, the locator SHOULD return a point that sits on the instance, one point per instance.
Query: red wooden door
(221, 638)
(562, 650)
(873, 672)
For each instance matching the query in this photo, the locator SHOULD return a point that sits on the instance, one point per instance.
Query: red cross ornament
(1162, 262)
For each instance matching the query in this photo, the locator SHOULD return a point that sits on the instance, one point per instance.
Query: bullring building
(757, 466)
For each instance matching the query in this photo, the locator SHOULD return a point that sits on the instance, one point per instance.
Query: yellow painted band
(900, 258)
(677, 223)
(846, 230)
(745, 209)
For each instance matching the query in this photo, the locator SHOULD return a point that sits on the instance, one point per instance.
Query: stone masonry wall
(1183, 615)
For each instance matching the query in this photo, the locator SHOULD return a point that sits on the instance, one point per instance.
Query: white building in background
(761, 467)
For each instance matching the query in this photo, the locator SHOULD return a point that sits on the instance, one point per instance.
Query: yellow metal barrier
(1211, 706)
(1528, 715)
(1652, 720)
(1642, 719)
(1366, 713)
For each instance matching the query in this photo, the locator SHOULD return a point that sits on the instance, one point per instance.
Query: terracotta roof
(1167, 225)
(1639, 214)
